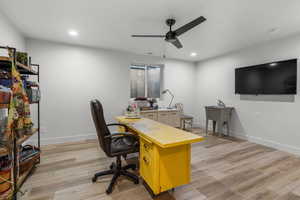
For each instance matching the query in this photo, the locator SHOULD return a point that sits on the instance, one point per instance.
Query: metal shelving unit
(6, 64)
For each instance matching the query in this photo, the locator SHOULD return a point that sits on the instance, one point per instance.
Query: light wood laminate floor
(222, 169)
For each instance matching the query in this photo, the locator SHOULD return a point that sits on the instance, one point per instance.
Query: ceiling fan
(171, 36)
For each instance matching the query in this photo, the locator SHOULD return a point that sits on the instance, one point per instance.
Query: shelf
(31, 69)
(26, 137)
(34, 103)
(3, 150)
(20, 181)
(5, 64)
(4, 105)
(24, 176)
(6, 195)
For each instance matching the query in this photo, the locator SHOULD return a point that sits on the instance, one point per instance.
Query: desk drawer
(174, 119)
(150, 115)
(163, 117)
(147, 163)
(170, 118)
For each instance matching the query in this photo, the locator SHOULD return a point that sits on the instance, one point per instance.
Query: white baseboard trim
(276, 145)
(59, 140)
(239, 136)
(268, 143)
(197, 125)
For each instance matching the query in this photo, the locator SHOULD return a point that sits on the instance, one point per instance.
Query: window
(145, 81)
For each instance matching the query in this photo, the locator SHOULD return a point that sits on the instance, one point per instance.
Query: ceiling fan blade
(190, 25)
(177, 43)
(153, 36)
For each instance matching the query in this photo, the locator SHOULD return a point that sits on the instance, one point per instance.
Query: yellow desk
(165, 153)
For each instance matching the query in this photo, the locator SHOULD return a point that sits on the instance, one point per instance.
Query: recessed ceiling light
(73, 33)
(193, 54)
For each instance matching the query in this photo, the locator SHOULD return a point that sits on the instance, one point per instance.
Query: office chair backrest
(100, 124)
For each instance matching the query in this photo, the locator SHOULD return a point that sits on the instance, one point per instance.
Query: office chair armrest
(118, 124)
(121, 135)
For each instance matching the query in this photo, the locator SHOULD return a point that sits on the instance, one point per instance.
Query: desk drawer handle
(147, 147)
(145, 160)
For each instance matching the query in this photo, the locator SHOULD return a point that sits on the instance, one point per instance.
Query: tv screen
(270, 78)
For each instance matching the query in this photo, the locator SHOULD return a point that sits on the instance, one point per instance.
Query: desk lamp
(168, 91)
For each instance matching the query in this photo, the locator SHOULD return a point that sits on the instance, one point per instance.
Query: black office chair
(114, 145)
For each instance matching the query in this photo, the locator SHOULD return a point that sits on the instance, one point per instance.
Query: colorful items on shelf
(15, 122)
(8, 82)
(5, 174)
(34, 94)
(5, 94)
(145, 103)
(19, 120)
(28, 156)
(22, 57)
(33, 91)
(3, 123)
(31, 88)
(4, 75)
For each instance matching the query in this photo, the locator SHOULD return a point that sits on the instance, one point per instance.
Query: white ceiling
(230, 25)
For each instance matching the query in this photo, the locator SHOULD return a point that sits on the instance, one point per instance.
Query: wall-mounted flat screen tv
(270, 78)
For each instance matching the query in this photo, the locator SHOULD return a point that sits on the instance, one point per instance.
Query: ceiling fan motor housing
(170, 36)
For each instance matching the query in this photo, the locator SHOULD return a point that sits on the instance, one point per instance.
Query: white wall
(72, 75)
(270, 120)
(9, 35)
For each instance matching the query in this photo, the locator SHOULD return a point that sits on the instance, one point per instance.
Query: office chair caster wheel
(94, 179)
(111, 166)
(136, 182)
